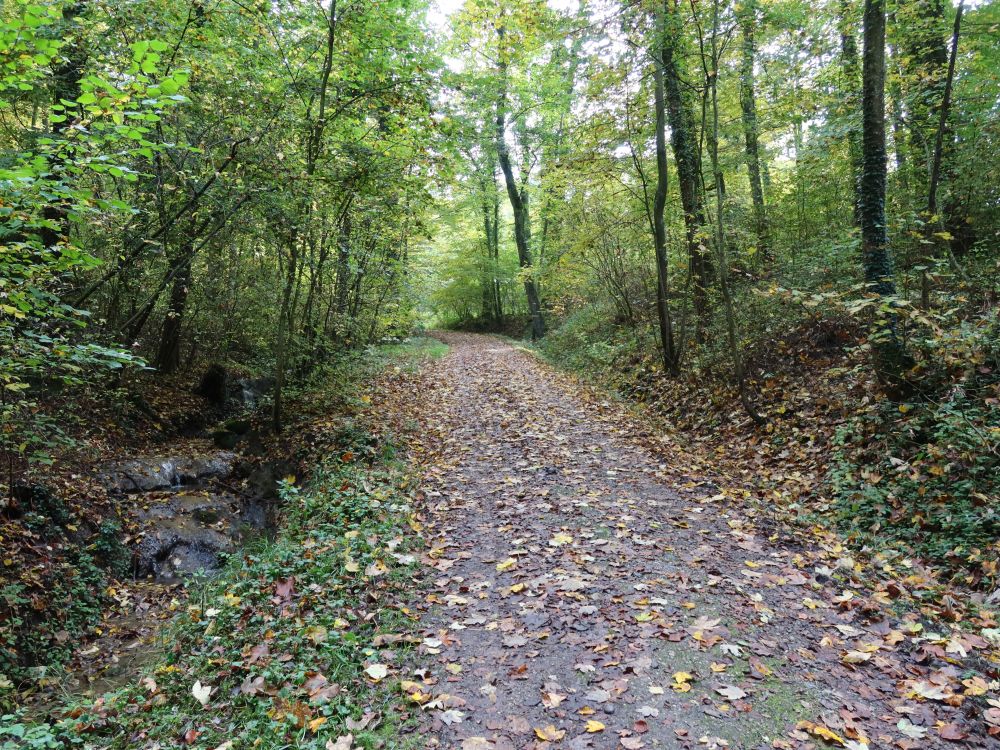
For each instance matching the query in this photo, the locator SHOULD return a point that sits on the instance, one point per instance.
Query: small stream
(185, 511)
(190, 512)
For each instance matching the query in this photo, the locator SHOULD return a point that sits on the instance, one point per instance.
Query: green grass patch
(412, 351)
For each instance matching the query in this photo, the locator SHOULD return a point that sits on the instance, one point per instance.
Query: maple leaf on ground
(731, 692)
(201, 693)
(344, 742)
(911, 730)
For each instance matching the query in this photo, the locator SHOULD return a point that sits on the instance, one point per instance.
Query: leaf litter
(586, 590)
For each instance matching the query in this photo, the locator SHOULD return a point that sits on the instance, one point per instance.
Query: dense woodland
(775, 223)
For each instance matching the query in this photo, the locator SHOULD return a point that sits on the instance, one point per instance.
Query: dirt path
(589, 595)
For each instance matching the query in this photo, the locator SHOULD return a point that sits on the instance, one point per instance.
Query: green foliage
(17, 733)
(73, 586)
(589, 343)
(47, 187)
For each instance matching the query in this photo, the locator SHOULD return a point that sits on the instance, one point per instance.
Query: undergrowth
(281, 638)
(283, 635)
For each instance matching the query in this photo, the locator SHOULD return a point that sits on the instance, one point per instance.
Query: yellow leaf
(316, 723)
(507, 564)
(594, 726)
(549, 733)
(818, 730)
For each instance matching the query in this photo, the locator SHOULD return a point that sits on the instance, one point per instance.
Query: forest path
(588, 594)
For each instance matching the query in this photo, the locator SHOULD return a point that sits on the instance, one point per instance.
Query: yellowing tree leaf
(818, 730)
(550, 733)
(316, 723)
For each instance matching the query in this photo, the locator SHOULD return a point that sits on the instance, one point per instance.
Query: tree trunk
(343, 264)
(850, 108)
(671, 360)
(943, 129)
(518, 203)
(688, 160)
(748, 104)
(732, 332)
(889, 353)
(317, 123)
(925, 59)
(899, 135)
(168, 357)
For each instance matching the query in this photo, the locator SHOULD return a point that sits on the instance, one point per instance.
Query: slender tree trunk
(316, 128)
(851, 105)
(748, 104)
(671, 360)
(889, 354)
(899, 135)
(943, 129)
(283, 335)
(66, 79)
(343, 264)
(168, 357)
(489, 205)
(688, 160)
(732, 333)
(518, 202)
(925, 58)
(933, 222)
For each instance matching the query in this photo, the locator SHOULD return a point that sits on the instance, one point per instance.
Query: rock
(214, 385)
(233, 432)
(262, 482)
(225, 439)
(158, 473)
(190, 532)
(238, 426)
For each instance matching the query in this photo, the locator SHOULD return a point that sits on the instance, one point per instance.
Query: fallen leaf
(201, 692)
(344, 742)
(550, 733)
